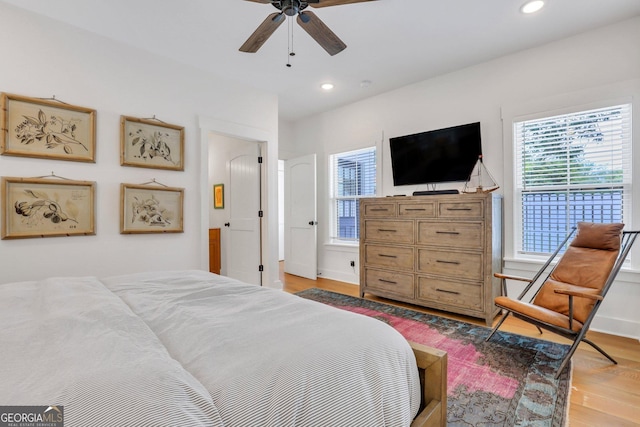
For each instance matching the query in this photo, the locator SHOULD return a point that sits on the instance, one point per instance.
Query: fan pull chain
(290, 42)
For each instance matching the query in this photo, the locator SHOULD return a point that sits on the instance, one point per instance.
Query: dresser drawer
(390, 282)
(389, 231)
(450, 292)
(389, 256)
(379, 210)
(464, 265)
(470, 209)
(466, 235)
(417, 210)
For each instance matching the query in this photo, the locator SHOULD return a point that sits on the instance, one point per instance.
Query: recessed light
(327, 86)
(532, 6)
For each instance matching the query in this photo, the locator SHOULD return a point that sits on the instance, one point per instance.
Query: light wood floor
(602, 394)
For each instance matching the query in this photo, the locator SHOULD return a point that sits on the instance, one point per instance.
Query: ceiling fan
(308, 20)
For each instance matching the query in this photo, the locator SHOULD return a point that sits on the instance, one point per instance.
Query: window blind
(353, 176)
(569, 168)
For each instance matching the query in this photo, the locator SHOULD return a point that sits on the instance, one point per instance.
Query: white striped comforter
(273, 359)
(72, 342)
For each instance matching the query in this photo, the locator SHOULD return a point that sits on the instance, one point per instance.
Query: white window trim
(621, 93)
(625, 186)
(330, 240)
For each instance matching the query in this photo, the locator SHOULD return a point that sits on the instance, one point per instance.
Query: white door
(243, 228)
(300, 236)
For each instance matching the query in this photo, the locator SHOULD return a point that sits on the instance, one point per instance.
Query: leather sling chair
(573, 290)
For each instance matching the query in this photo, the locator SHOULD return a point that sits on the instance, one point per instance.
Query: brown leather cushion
(585, 267)
(543, 314)
(598, 236)
(559, 303)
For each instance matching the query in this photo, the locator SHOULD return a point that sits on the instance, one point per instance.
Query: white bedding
(269, 358)
(72, 342)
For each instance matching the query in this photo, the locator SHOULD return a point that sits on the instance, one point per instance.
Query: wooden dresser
(437, 251)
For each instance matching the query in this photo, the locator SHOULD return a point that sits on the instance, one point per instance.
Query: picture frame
(151, 209)
(151, 143)
(38, 207)
(47, 129)
(218, 196)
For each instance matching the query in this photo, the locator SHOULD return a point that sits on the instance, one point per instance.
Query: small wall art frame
(151, 143)
(218, 196)
(38, 207)
(47, 128)
(151, 209)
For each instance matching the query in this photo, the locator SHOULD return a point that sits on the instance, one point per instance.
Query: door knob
(226, 224)
(313, 222)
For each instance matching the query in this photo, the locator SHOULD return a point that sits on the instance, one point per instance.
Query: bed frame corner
(432, 366)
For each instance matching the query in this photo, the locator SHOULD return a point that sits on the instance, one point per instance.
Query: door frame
(269, 139)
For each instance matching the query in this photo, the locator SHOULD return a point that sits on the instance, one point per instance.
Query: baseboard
(340, 276)
(277, 284)
(613, 326)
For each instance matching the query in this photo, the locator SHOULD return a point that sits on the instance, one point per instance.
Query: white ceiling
(391, 43)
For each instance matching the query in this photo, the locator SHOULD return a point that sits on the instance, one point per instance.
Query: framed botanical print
(151, 143)
(36, 207)
(47, 128)
(151, 209)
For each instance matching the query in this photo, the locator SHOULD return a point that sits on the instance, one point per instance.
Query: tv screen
(443, 155)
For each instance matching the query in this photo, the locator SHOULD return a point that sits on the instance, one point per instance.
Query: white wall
(288, 146)
(479, 93)
(41, 58)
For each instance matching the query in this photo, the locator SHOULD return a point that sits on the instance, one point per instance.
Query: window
(353, 176)
(569, 168)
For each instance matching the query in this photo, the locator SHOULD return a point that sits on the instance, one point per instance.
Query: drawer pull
(388, 281)
(387, 230)
(415, 209)
(458, 209)
(448, 262)
(379, 210)
(388, 256)
(447, 232)
(447, 291)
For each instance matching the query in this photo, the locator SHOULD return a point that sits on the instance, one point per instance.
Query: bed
(71, 342)
(236, 354)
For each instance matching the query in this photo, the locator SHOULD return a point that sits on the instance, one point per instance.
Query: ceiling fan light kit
(308, 20)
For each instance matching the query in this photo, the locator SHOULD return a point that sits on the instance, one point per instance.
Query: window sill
(533, 264)
(342, 244)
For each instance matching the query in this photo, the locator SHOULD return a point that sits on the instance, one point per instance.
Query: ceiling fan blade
(317, 29)
(260, 1)
(262, 33)
(327, 3)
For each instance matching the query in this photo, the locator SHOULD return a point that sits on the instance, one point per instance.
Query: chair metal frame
(628, 238)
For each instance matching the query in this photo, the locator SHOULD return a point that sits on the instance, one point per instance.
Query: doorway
(237, 165)
(211, 130)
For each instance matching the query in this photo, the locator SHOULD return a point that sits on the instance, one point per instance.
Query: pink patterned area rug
(508, 381)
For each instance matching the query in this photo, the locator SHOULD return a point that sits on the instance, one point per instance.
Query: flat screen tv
(443, 155)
